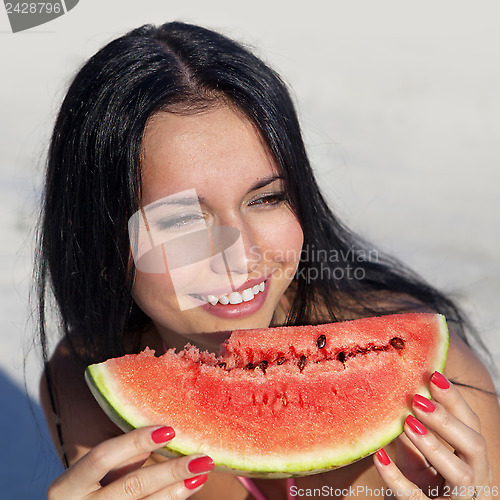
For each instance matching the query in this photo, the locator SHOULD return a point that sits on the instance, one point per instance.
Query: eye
(179, 221)
(270, 199)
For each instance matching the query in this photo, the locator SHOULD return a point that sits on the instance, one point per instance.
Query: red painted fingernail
(200, 464)
(423, 403)
(415, 425)
(440, 381)
(163, 434)
(382, 457)
(193, 482)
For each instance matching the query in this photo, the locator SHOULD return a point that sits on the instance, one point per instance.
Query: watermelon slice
(280, 401)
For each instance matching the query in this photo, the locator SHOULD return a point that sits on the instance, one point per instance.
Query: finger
(401, 486)
(443, 391)
(83, 477)
(455, 470)
(414, 465)
(181, 490)
(469, 444)
(407, 454)
(125, 468)
(148, 480)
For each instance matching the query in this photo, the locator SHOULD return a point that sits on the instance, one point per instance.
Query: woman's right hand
(120, 460)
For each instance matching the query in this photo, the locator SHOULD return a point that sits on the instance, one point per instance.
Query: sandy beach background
(400, 108)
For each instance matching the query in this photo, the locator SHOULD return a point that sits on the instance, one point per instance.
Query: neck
(157, 337)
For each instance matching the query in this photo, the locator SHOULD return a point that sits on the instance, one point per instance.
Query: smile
(234, 297)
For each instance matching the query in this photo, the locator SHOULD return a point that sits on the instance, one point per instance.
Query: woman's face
(224, 243)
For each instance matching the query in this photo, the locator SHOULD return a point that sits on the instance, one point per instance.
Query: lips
(245, 293)
(237, 297)
(244, 301)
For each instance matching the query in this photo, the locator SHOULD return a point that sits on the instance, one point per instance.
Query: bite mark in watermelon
(280, 401)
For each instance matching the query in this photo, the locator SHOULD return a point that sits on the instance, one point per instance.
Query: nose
(238, 252)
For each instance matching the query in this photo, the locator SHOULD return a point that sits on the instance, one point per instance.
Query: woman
(178, 109)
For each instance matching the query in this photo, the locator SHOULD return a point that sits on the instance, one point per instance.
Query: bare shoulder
(82, 422)
(465, 367)
(473, 380)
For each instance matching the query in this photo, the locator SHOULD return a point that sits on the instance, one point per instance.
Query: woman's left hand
(451, 461)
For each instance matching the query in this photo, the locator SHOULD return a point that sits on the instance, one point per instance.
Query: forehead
(200, 150)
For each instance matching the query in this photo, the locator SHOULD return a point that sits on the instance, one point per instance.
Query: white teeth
(224, 300)
(212, 299)
(247, 295)
(235, 298)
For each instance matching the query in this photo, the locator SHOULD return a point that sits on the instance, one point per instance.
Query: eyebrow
(264, 182)
(190, 200)
(185, 201)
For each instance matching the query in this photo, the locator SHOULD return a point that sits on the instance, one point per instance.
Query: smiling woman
(221, 155)
(180, 204)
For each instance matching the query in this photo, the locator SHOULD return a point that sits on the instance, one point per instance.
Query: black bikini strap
(55, 415)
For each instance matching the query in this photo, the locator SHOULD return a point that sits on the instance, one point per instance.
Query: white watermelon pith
(280, 401)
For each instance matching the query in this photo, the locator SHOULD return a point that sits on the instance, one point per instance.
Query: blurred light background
(400, 106)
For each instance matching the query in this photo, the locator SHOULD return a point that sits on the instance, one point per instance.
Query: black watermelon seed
(249, 366)
(397, 343)
(222, 365)
(321, 342)
(263, 365)
(302, 362)
(342, 356)
(281, 360)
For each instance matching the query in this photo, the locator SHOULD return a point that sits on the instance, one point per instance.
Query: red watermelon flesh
(280, 401)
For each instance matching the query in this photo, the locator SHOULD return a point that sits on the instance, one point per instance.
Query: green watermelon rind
(99, 381)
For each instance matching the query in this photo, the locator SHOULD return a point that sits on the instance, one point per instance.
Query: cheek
(153, 292)
(284, 244)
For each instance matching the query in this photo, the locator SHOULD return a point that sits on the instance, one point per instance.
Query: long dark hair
(93, 184)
